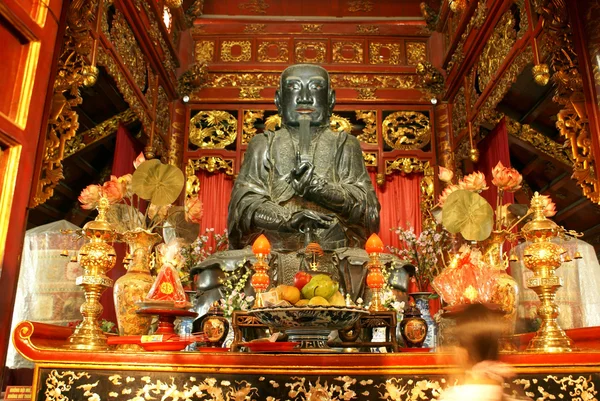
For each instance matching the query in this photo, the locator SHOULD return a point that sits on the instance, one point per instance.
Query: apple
(301, 279)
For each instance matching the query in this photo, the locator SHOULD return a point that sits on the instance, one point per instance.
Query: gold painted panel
(236, 51)
(129, 50)
(406, 130)
(496, 49)
(273, 51)
(347, 52)
(416, 52)
(385, 53)
(204, 51)
(310, 51)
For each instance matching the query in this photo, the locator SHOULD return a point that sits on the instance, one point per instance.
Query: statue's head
(305, 89)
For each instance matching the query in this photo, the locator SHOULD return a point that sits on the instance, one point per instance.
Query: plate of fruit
(316, 302)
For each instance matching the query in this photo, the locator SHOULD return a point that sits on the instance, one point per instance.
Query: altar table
(63, 374)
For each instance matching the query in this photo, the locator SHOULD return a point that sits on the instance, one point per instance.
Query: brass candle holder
(96, 258)
(543, 257)
(375, 279)
(260, 279)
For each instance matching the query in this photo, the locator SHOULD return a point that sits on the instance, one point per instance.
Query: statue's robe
(264, 178)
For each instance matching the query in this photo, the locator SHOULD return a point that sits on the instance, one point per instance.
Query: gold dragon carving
(74, 71)
(213, 129)
(406, 130)
(572, 121)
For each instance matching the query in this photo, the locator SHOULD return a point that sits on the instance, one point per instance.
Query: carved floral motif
(356, 6)
(245, 50)
(416, 52)
(278, 47)
(129, 50)
(312, 28)
(342, 48)
(204, 51)
(304, 49)
(377, 57)
(369, 132)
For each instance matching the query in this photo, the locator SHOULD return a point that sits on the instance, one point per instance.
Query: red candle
(374, 244)
(261, 245)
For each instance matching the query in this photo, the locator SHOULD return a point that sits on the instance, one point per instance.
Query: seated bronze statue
(305, 183)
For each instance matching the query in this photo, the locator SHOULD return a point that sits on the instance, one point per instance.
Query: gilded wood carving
(406, 130)
(213, 129)
(242, 47)
(347, 52)
(376, 56)
(310, 51)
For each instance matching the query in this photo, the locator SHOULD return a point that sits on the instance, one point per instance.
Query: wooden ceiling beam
(592, 231)
(531, 166)
(572, 209)
(557, 183)
(112, 94)
(86, 167)
(66, 190)
(50, 211)
(539, 106)
(517, 116)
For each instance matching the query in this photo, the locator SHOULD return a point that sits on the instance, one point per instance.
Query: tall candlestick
(260, 279)
(375, 279)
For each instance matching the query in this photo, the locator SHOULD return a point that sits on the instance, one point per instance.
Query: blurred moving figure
(478, 330)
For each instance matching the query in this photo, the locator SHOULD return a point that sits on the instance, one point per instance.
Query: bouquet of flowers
(142, 200)
(200, 249)
(466, 212)
(234, 297)
(424, 252)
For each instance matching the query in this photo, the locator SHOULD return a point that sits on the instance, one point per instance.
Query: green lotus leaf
(468, 213)
(159, 183)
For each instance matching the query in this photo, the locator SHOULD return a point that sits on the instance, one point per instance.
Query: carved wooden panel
(310, 51)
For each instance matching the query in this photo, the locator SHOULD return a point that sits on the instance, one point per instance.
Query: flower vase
(506, 291)
(422, 301)
(134, 285)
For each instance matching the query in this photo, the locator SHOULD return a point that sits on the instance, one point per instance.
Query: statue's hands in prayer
(301, 177)
(304, 219)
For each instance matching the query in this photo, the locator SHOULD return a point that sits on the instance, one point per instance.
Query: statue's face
(304, 90)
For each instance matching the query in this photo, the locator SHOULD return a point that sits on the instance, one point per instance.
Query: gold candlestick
(96, 258)
(543, 257)
(260, 279)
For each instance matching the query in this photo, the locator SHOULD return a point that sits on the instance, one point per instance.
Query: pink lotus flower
(445, 175)
(549, 206)
(193, 209)
(139, 160)
(447, 191)
(506, 178)
(474, 182)
(90, 196)
(112, 190)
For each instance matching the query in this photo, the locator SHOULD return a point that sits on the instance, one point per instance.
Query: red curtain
(400, 205)
(126, 150)
(215, 192)
(494, 148)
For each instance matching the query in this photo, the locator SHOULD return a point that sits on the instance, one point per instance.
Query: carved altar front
(64, 375)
